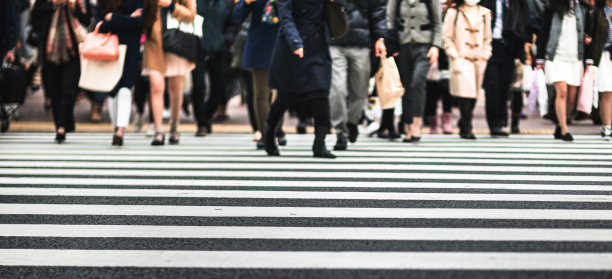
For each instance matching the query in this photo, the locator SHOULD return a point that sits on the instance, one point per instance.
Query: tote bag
(182, 39)
(388, 84)
(100, 46)
(101, 76)
(585, 96)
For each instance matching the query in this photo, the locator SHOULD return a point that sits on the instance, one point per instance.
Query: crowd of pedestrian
(291, 57)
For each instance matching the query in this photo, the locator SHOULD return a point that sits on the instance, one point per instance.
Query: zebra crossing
(215, 207)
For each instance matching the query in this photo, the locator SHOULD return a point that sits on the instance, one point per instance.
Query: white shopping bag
(542, 92)
(527, 77)
(194, 27)
(102, 76)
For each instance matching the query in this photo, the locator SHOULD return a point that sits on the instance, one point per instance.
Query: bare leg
(157, 98)
(561, 105)
(571, 99)
(605, 108)
(175, 86)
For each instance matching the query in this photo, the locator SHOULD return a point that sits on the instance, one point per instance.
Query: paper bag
(388, 84)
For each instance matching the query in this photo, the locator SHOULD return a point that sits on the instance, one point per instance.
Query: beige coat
(468, 45)
(154, 58)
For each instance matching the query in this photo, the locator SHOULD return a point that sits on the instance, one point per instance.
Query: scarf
(60, 47)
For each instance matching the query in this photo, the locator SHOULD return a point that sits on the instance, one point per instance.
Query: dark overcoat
(261, 37)
(129, 31)
(301, 26)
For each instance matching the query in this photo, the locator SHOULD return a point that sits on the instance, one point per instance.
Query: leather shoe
(498, 132)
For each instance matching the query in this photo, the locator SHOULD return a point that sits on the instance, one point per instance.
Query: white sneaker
(151, 130)
(606, 133)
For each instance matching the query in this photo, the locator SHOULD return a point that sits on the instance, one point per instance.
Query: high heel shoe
(270, 143)
(174, 138)
(60, 138)
(158, 139)
(567, 137)
(117, 140)
(557, 133)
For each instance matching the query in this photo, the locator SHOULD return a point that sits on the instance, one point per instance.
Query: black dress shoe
(117, 140)
(498, 133)
(280, 137)
(353, 132)
(394, 135)
(467, 135)
(323, 153)
(416, 139)
(407, 140)
(260, 145)
(272, 150)
(341, 143)
(567, 137)
(301, 128)
(557, 132)
(382, 135)
(60, 137)
(201, 132)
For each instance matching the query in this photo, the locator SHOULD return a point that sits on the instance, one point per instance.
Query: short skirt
(175, 66)
(567, 71)
(604, 73)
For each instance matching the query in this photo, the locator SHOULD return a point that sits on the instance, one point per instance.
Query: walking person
(260, 41)
(301, 69)
(420, 35)
(123, 18)
(218, 32)
(561, 52)
(467, 42)
(61, 23)
(351, 66)
(601, 51)
(438, 89)
(158, 64)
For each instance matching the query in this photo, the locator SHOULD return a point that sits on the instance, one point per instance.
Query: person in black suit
(301, 69)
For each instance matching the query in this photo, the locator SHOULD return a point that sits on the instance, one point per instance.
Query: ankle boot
(269, 139)
(318, 148)
(434, 127)
(447, 127)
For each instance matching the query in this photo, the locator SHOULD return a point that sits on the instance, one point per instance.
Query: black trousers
(214, 65)
(247, 78)
(516, 105)
(437, 90)
(466, 109)
(61, 84)
(497, 80)
(319, 106)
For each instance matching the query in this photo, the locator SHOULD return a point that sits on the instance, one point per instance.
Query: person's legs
(69, 90)
(124, 108)
(516, 107)
(605, 110)
(52, 84)
(466, 108)
(261, 98)
(572, 95)
(112, 110)
(158, 84)
(406, 67)
(321, 116)
(247, 77)
(277, 110)
(175, 86)
(561, 89)
(197, 95)
(215, 67)
(417, 88)
(339, 92)
(358, 80)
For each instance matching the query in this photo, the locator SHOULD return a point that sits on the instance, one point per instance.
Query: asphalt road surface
(214, 207)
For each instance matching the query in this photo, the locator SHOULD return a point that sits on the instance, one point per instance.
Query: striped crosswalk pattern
(215, 207)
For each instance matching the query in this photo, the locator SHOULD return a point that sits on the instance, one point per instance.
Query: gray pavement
(215, 207)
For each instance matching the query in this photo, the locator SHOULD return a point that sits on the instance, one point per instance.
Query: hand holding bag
(388, 84)
(100, 46)
(101, 76)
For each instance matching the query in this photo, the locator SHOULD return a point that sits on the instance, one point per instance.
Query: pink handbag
(100, 46)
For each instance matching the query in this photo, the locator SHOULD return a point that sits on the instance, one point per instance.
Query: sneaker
(166, 114)
(606, 133)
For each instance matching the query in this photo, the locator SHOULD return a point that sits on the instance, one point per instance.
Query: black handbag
(336, 19)
(13, 81)
(182, 44)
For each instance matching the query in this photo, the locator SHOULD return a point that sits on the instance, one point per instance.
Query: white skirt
(604, 74)
(559, 71)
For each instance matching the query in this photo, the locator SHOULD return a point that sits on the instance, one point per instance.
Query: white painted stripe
(230, 149)
(304, 212)
(148, 193)
(11, 181)
(339, 233)
(280, 166)
(305, 154)
(266, 161)
(297, 174)
(307, 260)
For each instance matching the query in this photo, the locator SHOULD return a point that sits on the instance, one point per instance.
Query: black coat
(367, 19)
(129, 31)
(301, 26)
(9, 28)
